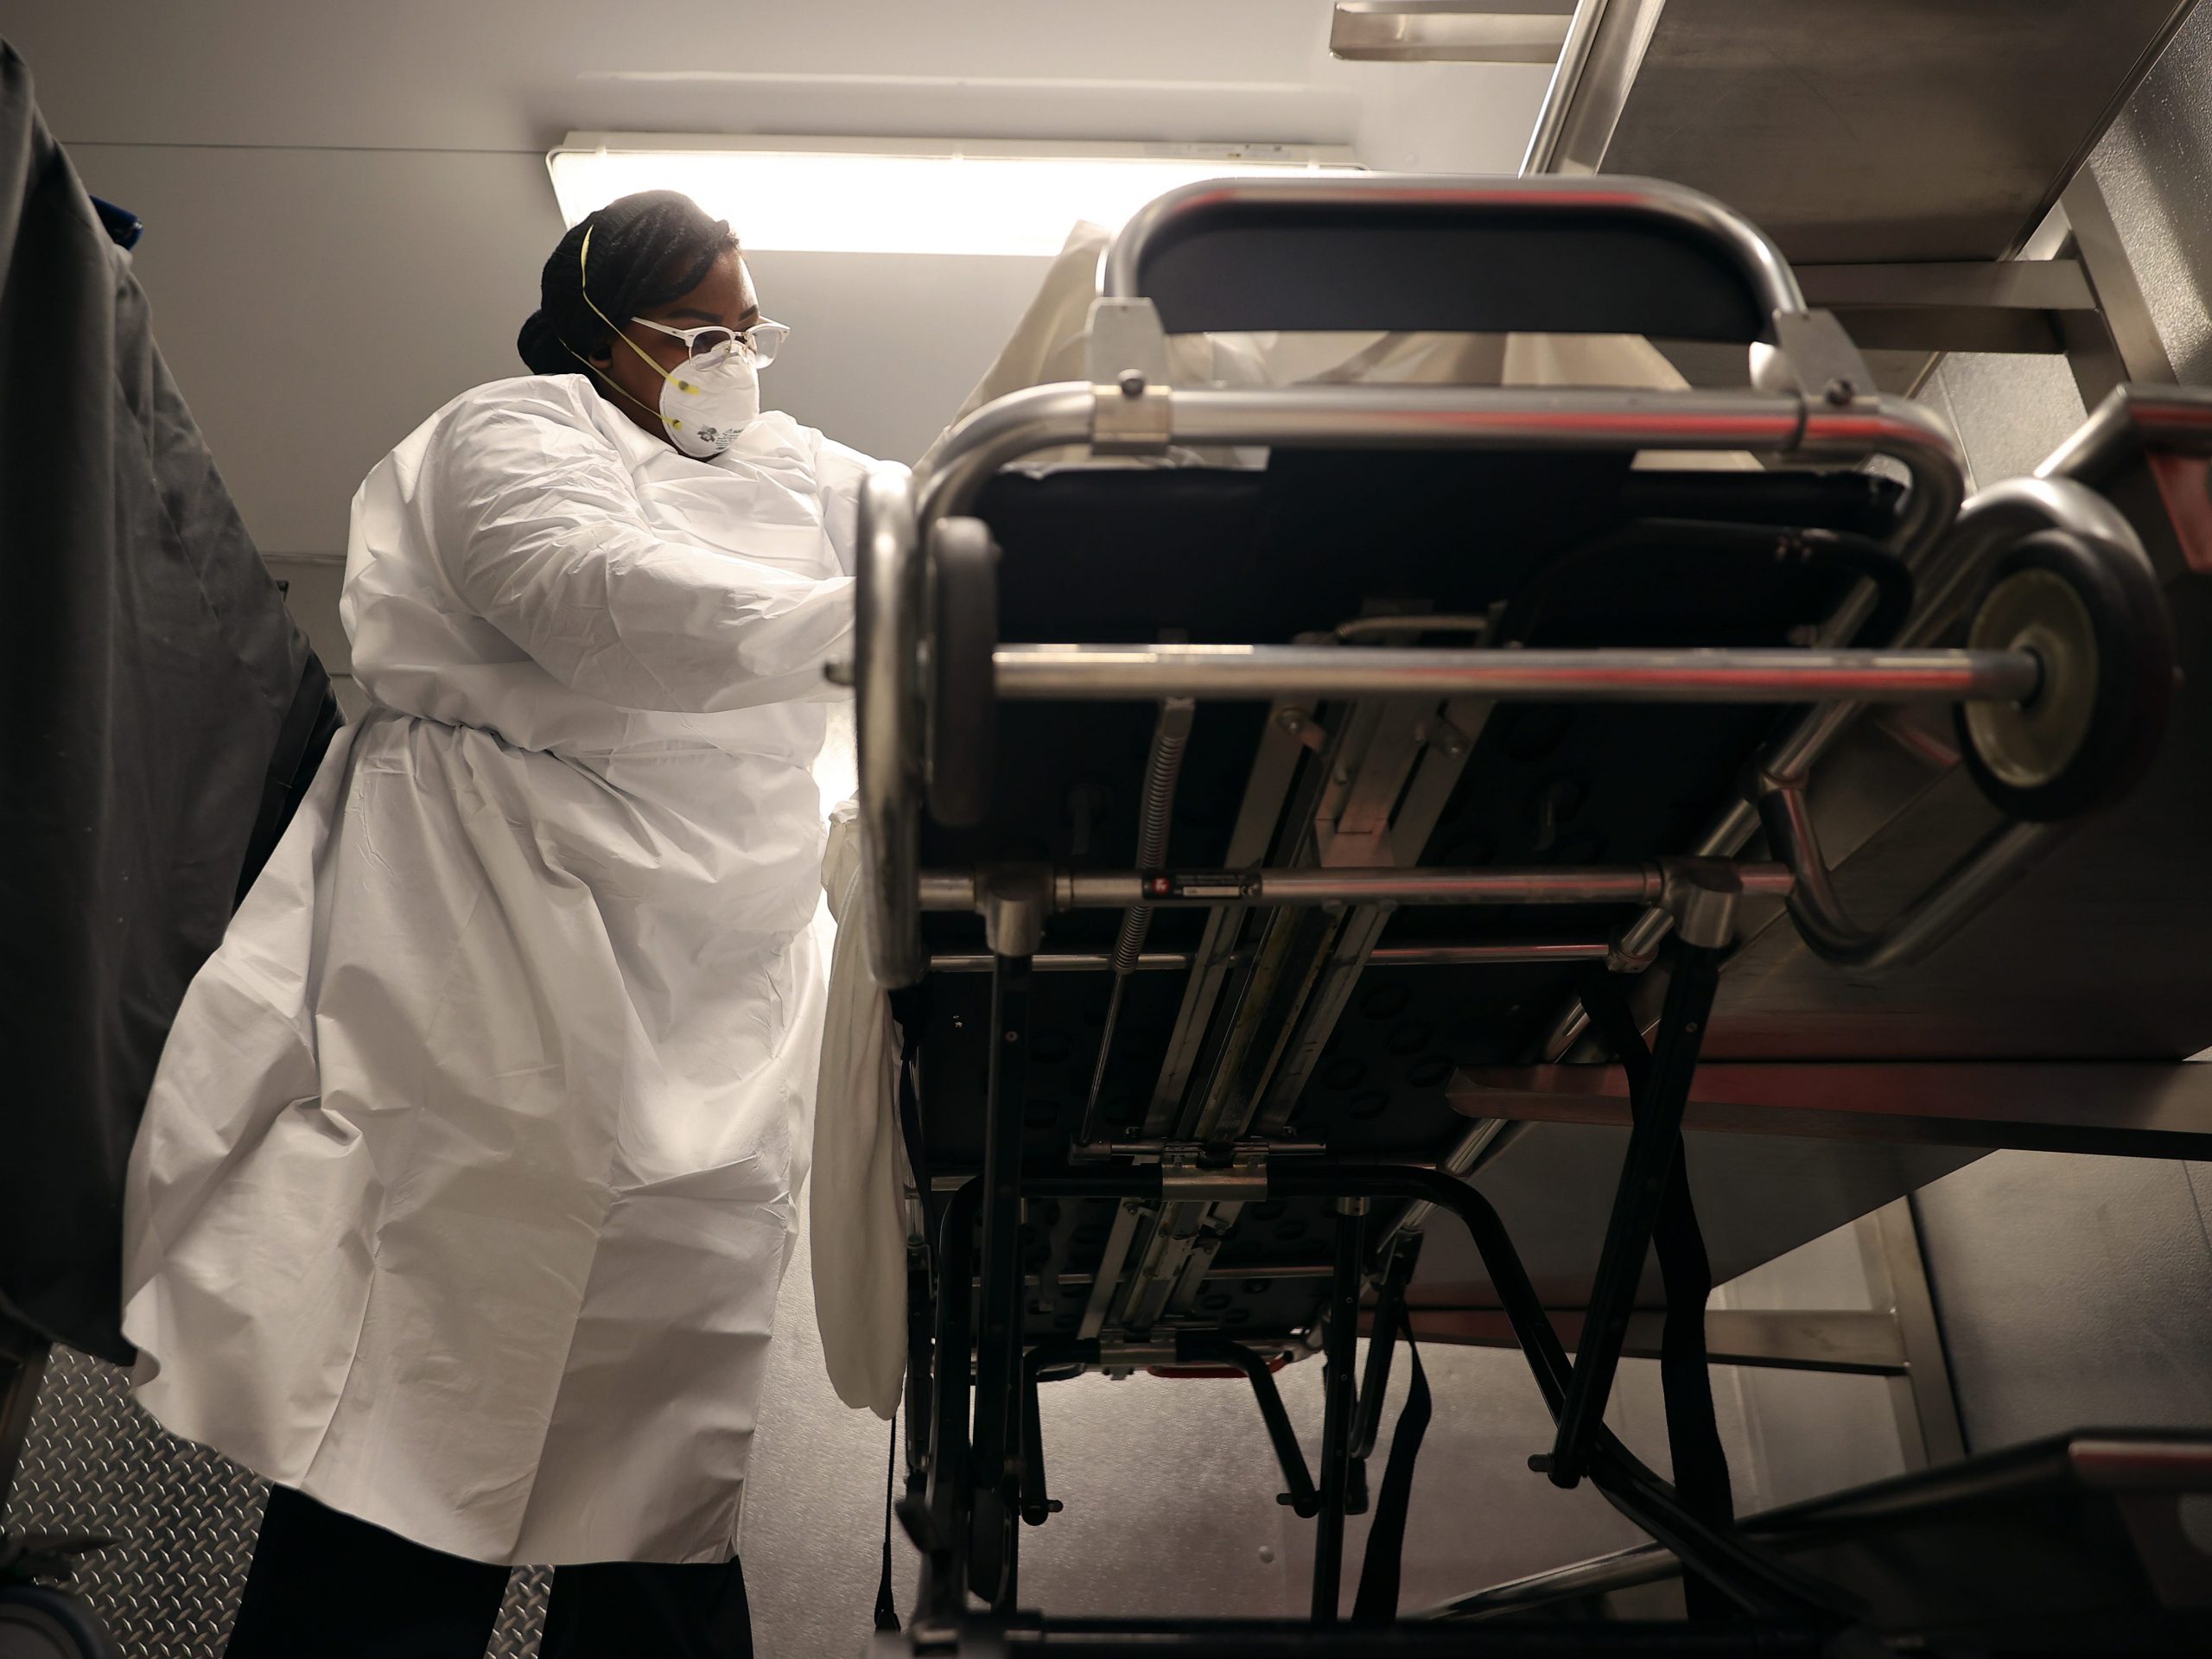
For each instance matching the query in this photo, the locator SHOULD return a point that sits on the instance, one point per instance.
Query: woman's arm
(840, 471)
(541, 532)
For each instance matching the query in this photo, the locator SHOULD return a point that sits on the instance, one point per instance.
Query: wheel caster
(2094, 618)
(38, 1622)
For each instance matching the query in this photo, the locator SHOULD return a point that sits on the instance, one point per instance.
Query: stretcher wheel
(37, 1621)
(962, 740)
(2094, 615)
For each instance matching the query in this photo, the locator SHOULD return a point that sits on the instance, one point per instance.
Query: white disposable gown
(468, 1177)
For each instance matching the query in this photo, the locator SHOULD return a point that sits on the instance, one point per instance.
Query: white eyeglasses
(713, 344)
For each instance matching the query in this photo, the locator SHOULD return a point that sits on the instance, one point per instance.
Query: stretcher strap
(1701, 1464)
(1377, 1600)
(886, 1605)
(909, 1013)
(910, 1010)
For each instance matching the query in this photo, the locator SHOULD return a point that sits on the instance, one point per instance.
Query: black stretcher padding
(961, 743)
(1263, 267)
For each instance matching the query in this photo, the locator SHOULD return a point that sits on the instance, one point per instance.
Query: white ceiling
(514, 74)
(347, 203)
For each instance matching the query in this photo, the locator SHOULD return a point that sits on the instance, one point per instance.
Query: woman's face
(724, 295)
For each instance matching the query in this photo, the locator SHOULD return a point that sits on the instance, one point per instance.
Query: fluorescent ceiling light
(1450, 31)
(876, 195)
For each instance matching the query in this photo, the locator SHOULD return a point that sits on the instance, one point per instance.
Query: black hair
(646, 250)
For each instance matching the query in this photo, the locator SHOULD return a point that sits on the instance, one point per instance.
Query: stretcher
(1234, 839)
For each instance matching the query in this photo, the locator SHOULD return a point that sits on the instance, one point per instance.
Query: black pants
(324, 1585)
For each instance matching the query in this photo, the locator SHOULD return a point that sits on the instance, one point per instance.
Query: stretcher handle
(1471, 255)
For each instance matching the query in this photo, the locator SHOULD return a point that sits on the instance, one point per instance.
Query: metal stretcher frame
(1832, 420)
(974, 1484)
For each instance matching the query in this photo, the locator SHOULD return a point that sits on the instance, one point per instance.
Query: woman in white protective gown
(467, 1181)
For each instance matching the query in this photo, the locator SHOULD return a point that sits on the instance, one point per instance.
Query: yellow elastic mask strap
(617, 385)
(584, 284)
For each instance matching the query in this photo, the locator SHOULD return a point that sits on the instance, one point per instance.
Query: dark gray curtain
(162, 712)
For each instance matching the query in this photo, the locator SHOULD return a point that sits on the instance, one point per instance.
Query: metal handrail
(1918, 439)
(1133, 672)
(1999, 859)
(1619, 884)
(1489, 954)
(1753, 253)
(1566, 81)
(1001, 431)
(888, 720)
(2174, 416)
(1478, 418)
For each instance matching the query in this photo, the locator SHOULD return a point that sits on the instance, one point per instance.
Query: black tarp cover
(161, 711)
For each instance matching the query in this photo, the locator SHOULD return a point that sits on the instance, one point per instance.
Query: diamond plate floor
(186, 1518)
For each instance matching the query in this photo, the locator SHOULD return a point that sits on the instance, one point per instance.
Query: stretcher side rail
(1050, 673)
(1788, 425)
(1655, 882)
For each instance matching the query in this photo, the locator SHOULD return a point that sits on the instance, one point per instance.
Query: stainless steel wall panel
(1858, 131)
(2155, 168)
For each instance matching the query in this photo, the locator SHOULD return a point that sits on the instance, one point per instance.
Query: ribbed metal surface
(186, 1517)
(2153, 168)
(522, 1615)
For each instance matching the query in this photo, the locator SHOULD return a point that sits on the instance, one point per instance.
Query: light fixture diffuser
(875, 195)
(1450, 31)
